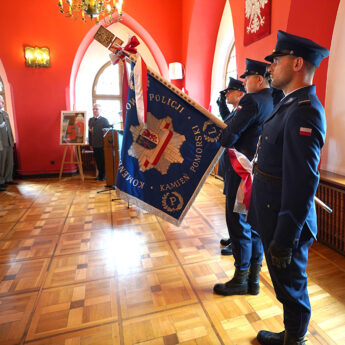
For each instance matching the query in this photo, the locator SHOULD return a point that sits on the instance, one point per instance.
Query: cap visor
(270, 58)
(243, 75)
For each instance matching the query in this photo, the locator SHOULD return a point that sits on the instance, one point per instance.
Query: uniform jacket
(290, 147)
(246, 125)
(6, 136)
(277, 95)
(96, 126)
(224, 161)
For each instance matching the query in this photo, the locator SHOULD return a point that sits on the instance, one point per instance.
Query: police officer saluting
(286, 177)
(242, 133)
(231, 95)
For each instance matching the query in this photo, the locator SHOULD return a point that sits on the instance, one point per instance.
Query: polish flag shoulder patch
(305, 131)
(239, 107)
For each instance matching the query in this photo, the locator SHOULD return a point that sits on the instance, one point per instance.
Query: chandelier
(95, 9)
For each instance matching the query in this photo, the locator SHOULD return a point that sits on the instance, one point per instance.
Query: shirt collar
(290, 93)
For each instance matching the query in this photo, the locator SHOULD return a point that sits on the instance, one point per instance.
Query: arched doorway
(96, 57)
(224, 62)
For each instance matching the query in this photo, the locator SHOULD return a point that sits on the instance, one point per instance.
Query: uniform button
(268, 205)
(266, 137)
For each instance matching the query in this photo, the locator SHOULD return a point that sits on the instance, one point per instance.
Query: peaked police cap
(254, 67)
(234, 84)
(288, 44)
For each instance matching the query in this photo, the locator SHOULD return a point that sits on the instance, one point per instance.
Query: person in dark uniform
(286, 177)
(96, 125)
(231, 95)
(242, 134)
(6, 149)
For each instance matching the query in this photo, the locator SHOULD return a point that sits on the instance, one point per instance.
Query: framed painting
(72, 129)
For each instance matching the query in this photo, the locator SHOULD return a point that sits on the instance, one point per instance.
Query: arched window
(107, 92)
(231, 66)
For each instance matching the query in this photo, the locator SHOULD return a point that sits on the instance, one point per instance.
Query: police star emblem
(155, 144)
(290, 100)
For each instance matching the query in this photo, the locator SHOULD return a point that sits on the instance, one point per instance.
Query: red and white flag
(140, 76)
(140, 84)
(243, 167)
(305, 131)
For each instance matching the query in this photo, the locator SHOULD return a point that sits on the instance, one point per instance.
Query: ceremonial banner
(166, 157)
(257, 21)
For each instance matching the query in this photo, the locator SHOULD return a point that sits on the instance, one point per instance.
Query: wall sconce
(36, 57)
(176, 71)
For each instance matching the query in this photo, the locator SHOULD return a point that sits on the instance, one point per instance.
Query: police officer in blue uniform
(286, 177)
(231, 95)
(242, 134)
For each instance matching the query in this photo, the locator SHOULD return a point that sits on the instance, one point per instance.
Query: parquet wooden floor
(77, 268)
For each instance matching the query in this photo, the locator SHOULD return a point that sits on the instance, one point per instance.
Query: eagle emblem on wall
(253, 13)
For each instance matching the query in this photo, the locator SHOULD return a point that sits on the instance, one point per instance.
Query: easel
(75, 154)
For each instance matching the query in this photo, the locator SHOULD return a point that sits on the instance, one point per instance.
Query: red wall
(185, 31)
(310, 18)
(40, 94)
(317, 25)
(261, 48)
(202, 17)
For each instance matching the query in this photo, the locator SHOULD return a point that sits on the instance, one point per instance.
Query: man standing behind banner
(242, 133)
(286, 177)
(96, 125)
(231, 95)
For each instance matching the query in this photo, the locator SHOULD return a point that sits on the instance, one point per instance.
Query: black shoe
(238, 285)
(227, 250)
(3, 185)
(225, 241)
(254, 279)
(271, 338)
(2, 189)
(12, 183)
(293, 340)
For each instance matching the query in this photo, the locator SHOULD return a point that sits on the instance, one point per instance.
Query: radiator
(331, 226)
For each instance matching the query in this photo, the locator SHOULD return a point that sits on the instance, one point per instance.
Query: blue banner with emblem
(165, 161)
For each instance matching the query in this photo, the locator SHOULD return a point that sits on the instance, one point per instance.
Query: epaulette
(303, 98)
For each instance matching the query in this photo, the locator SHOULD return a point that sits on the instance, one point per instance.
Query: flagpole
(114, 44)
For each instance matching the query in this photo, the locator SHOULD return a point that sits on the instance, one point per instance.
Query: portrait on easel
(72, 130)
